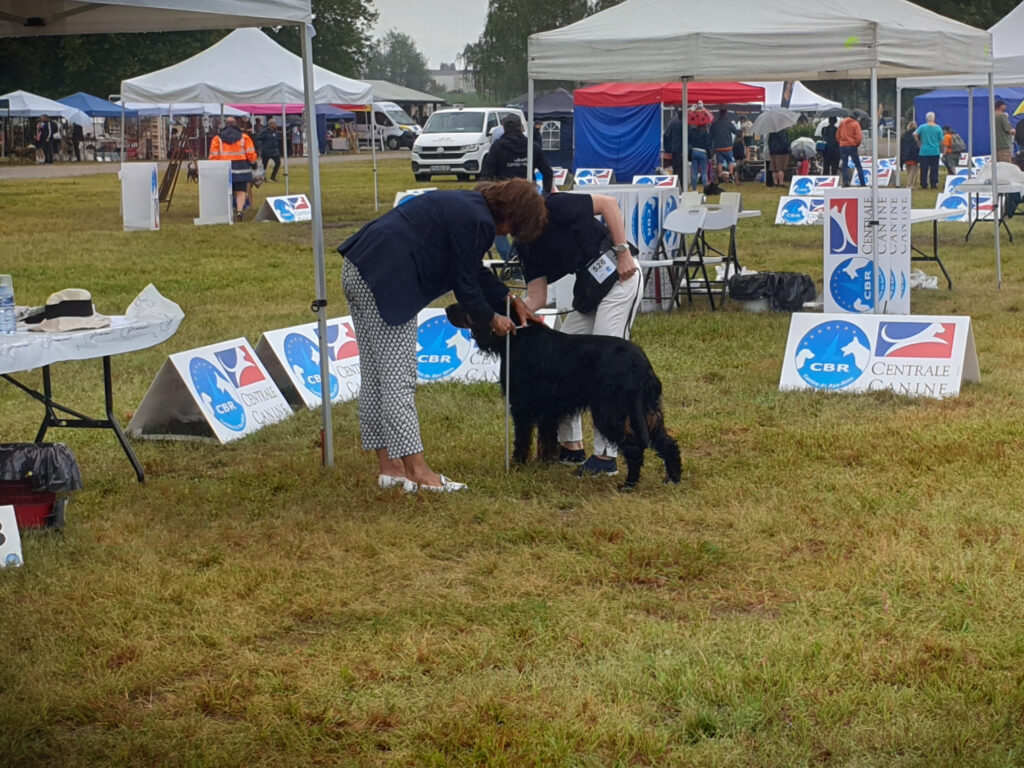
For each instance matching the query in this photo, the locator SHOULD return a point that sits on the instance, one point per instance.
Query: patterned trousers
(387, 366)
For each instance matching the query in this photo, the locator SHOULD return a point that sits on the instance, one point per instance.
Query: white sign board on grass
(799, 211)
(812, 186)
(928, 356)
(285, 209)
(10, 538)
(140, 197)
(220, 391)
(216, 201)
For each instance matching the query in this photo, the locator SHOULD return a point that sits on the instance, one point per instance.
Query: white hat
(70, 310)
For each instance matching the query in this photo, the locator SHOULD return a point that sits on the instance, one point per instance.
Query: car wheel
(422, 176)
(462, 176)
(392, 142)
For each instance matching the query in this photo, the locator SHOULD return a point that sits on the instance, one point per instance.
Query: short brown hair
(518, 204)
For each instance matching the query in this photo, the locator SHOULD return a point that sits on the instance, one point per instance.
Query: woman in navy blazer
(394, 267)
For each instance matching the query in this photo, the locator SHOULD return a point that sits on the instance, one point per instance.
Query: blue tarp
(625, 139)
(950, 108)
(94, 106)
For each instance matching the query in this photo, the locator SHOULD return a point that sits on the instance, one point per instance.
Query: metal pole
(996, 207)
(284, 144)
(123, 131)
(508, 374)
(320, 305)
(373, 151)
(528, 130)
(899, 132)
(686, 136)
(970, 124)
(873, 222)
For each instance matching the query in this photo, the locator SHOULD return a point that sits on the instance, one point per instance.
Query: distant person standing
(723, 136)
(778, 151)
(1004, 134)
(268, 143)
(849, 135)
(296, 135)
(830, 155)
(231, 145)
(909, 154)
(930, 136)
(507, 158)
(44, 138)
(77, 137)
(700, 151)
(949, 158)
(673, 141)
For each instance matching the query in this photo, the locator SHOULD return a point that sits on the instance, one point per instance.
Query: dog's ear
(458, 317)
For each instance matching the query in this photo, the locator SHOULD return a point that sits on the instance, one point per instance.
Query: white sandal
(447, 486)
(390, 481)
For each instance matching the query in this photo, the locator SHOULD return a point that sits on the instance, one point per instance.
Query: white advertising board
(799, 211)
(812, 186)
(285, 209)
(589, 176)
(658, 181)
(221, 391)
(867, 268)
(10, 538)
(919, 355)
(140, 197)
(216, 202)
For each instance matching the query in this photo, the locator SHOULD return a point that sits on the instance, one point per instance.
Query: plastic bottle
(8, 316)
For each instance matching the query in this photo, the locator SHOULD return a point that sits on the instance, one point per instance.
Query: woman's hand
(501, 325)
(524, 313)
(627, 266)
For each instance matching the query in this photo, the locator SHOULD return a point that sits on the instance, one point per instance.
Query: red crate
(32, 509)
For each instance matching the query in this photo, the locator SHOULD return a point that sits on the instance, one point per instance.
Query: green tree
(396, 58)
(342, 35)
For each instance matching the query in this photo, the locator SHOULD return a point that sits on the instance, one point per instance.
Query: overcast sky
(440, 28)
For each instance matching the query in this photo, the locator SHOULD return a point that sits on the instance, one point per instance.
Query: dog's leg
(634, 453)
(547, 440)
(665, 446)
(523, 437)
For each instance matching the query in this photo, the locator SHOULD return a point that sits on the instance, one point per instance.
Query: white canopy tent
(25, 104)
(656, 40)
(19, 18)
(161, 109)
(802, 100)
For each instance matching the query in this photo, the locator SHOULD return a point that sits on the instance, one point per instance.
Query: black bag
(750, 287)
(596, 278)
(791, 290)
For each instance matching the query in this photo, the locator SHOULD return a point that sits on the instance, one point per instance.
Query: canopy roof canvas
(271, 75)
(656, 40)
(619, 94)
(22, 18)
(802, 100)
(385, 91)
(25, 104)
(1007, 62)
(94, 106)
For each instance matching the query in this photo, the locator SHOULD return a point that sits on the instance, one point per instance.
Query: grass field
(837, 581)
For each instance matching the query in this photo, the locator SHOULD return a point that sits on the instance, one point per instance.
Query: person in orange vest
(237, 147)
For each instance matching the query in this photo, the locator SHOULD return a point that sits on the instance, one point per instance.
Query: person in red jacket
(232, 145)
(849, 136)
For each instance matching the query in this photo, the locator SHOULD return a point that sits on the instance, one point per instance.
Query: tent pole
(373, 150)
(320, 304)
(684, 118)
(873, 222)
(970, 124)
(123, 131)
(899, 133)
(528, 129)
(994, 164)
(284, 144)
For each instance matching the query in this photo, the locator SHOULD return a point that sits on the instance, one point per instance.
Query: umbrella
(774, 120)
(802, 148)
(859, 114)
(835, 112)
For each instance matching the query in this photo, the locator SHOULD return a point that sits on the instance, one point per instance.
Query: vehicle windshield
(399, 116)
(455, 122)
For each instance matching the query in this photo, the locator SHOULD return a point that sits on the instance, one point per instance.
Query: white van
(455, 141)
(393, 124)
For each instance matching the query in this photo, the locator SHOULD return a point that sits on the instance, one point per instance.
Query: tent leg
(320, 305)
(373, 149)
(899, 133)
(284, 144)
(879, 306)
(970, 124)
(994, 163)
(528, 129)
(684, 106)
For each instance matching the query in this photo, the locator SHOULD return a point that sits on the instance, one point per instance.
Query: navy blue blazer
(425, 247)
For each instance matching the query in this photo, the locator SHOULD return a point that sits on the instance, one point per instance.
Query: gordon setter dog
(555, 375)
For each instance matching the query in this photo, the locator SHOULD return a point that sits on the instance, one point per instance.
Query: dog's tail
(664, 445)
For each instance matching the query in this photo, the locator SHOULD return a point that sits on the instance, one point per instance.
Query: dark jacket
(424, 248)
(778, 142)
(507, 160)
(828, 135)
(722, 133)
(268, 143)
(673, 138)
(700, 138)
(910, 152)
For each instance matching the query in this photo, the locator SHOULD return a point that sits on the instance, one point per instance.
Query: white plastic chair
(718, 219)
(683, 222)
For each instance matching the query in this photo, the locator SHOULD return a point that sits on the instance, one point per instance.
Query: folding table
(934, 215)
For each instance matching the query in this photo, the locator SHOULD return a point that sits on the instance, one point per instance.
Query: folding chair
(717, 219)
(683, 222)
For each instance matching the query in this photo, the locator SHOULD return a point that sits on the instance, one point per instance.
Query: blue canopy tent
(554, 111)
(94, 106)
(951, 108)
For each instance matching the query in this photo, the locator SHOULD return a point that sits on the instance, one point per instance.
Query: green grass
(836, 581)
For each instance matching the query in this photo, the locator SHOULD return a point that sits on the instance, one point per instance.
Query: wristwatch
(620, 247)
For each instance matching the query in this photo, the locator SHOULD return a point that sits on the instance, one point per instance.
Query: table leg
(108, 396)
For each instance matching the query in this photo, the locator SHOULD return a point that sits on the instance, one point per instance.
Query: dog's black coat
(555, 375)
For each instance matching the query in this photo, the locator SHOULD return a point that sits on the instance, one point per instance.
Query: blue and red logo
(341, 340)
(918, 340)
(844, 226)
(239, 366)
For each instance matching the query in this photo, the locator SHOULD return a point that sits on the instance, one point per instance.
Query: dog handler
(394, 267)
(570, 242)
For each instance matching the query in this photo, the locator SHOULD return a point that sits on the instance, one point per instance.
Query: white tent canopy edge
(65, 17)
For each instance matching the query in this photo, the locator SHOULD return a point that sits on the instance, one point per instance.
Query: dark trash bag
(49, 467)
(786, 291)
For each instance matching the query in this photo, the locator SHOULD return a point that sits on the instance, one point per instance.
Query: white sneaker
(447, 486)
(390, 481)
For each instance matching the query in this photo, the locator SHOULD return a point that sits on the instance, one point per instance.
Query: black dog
(555, 375)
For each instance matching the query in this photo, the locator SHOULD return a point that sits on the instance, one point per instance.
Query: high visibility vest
(242, 150)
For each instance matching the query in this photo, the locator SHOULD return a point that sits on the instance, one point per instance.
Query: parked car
(393, 125)
(455, 141)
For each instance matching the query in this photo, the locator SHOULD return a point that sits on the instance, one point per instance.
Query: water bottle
(8, 317)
